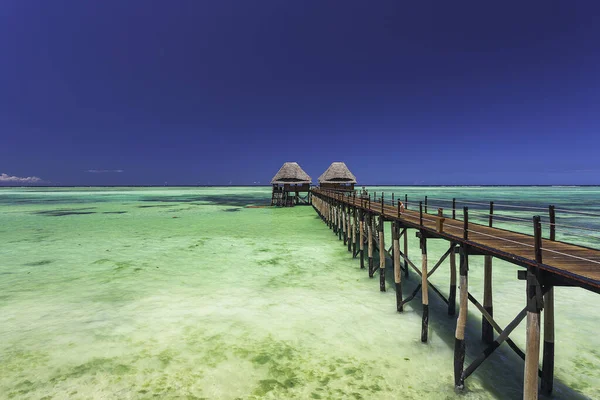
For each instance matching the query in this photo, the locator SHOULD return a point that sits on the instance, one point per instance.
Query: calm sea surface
(139, 293)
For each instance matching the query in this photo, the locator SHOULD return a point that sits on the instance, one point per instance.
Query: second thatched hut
(337, 177)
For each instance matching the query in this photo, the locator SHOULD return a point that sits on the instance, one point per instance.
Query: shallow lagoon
(186, 293)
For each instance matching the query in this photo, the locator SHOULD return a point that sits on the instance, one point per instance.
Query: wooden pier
(359, 221)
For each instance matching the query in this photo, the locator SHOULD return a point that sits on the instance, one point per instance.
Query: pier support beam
(344, 224)
(487, 332)
(406, 252)
(353, 229)
(424, 289)
(361, 234)
(548, 360)
(350, 227)
(532, 345)
(397, 271)
(452, 294)
(381, 255)
(339, 221)
(370, 243)
(461, 323)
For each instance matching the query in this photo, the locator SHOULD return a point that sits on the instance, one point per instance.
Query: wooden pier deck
(547, 262)
(571, 264)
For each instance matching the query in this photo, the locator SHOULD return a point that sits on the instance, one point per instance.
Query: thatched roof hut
(337, 173)
(290, 172)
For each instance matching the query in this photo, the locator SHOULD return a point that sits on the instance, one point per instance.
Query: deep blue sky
(192, 92)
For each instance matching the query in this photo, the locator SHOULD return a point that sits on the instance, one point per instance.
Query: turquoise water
(127, 293)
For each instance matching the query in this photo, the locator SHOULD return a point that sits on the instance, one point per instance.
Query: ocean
(187, 293)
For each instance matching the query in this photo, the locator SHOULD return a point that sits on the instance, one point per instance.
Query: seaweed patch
(61, 212)
(38, 263)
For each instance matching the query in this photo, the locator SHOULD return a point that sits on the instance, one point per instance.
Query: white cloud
(104, 171)
(5, 178)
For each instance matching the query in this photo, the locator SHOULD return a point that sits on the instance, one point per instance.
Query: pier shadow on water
(502, 373)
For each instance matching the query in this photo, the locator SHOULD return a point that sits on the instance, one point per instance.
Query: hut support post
(424, 289)
(370, 243)
(548, 357)
(381, 255)
(397, 271)
(459, 341)
(487, 332)
(452, 293)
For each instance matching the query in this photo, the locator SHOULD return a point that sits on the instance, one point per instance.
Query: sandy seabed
(139, 293)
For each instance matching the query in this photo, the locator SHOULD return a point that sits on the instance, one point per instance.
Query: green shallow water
(185, 293)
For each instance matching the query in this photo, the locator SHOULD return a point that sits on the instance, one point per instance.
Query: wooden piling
(349, 226)
(424, 289)
(354, 227)
(406, 252)
(339, 220)
(344, 223)
(370, 243)
(532, 346)
(381, 255)
(487, 331)
(461, 323)
(452, 294)
(548, 352)
(397, 272)
(534, 306)
(361, 234)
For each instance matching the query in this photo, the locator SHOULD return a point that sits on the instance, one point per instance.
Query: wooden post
(534, 306)
(397, 272)
(421, 213)
(424, 289)
(361, 232)
(354, 227)
(339, 220)
(487, 331)
(381, 203)
(461, 323)
(344, 224)
(370, 243)
(406, 253)
(454, 208)
(406, 201)
(548, 353)
(399, 202)
(466, 223)
(381, 254)
(452, 294)
(425, 206)
(350, 228)
(392, 203)
(552, 214)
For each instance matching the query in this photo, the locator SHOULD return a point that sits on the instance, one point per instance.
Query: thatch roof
(337, 172)
(290, 172)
